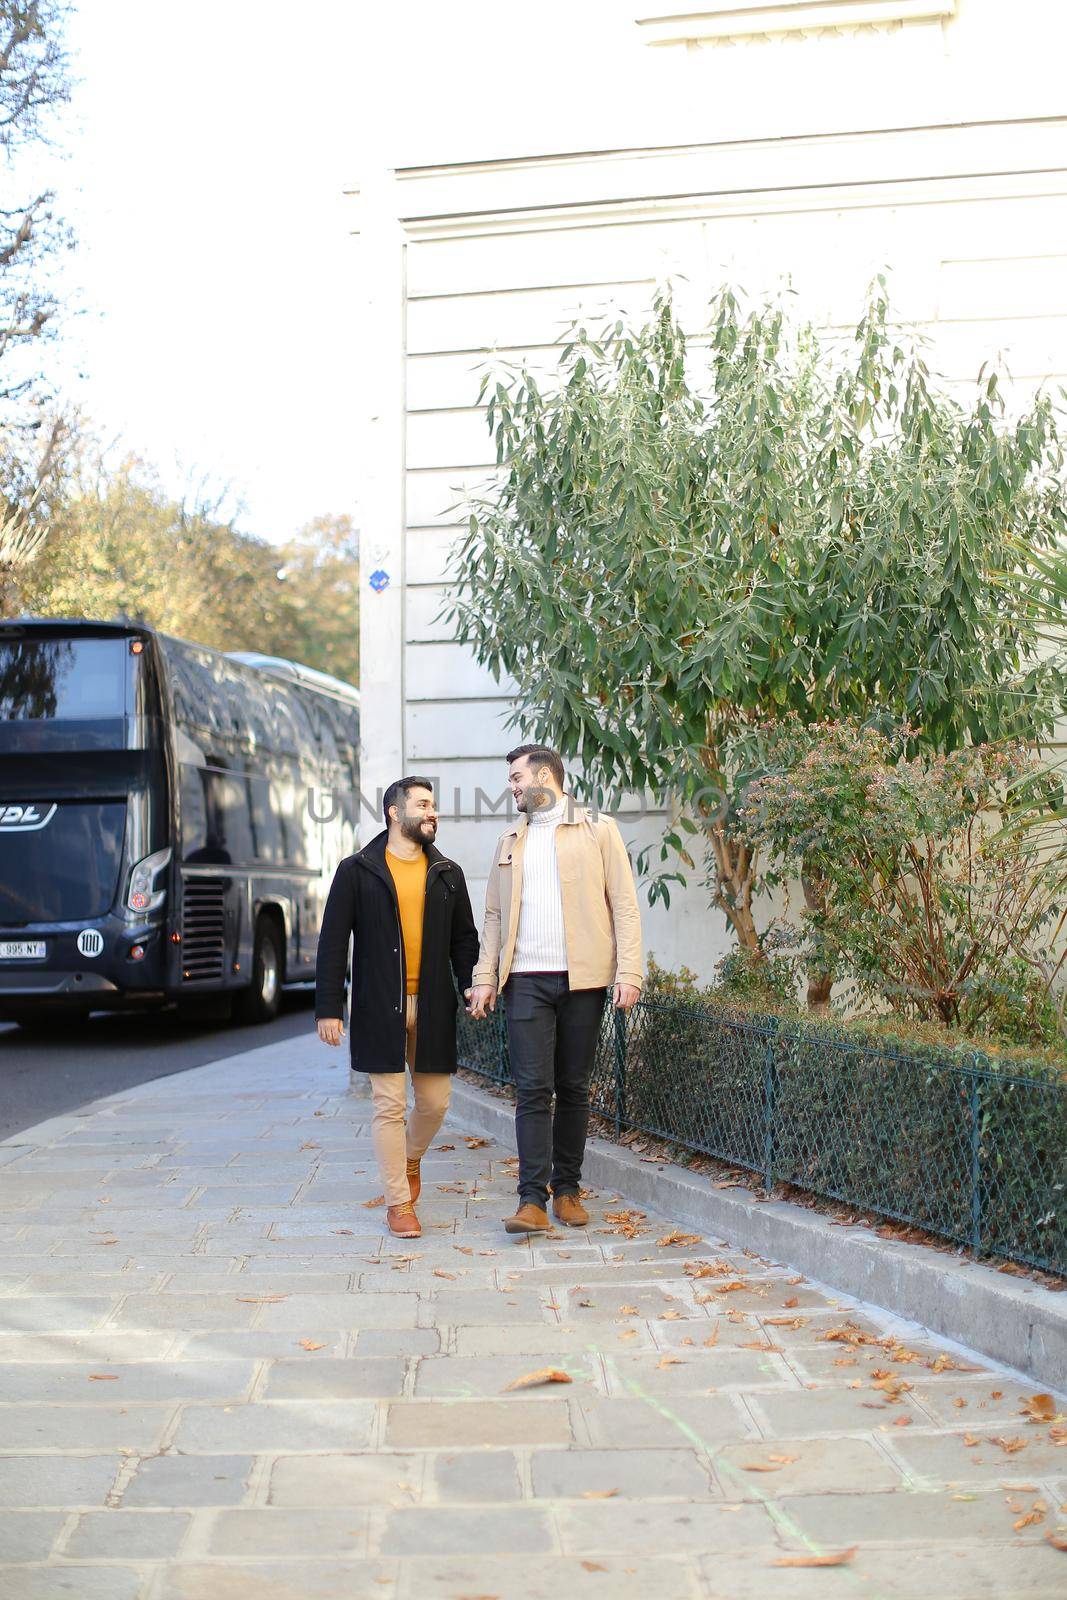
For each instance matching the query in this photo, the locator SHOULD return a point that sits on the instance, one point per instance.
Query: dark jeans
(552, 1038)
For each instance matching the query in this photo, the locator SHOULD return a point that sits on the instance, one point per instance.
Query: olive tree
(688, 539)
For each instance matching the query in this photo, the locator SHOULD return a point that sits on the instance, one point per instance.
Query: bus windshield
(63, 693)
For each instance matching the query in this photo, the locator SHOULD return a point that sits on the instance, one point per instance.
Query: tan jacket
(600, 912)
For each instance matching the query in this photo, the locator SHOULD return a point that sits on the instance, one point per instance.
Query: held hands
(480, 999)
(331, 1030)
(625, 996)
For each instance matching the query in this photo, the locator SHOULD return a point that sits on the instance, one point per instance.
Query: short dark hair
(541, 755)
(401, 786)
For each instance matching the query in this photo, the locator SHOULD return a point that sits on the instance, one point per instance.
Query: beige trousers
(393, 1145)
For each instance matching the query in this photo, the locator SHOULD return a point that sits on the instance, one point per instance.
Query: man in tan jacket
(562, 926)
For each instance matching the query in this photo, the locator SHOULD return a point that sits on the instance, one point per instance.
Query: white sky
(209, 145)
(208, 149)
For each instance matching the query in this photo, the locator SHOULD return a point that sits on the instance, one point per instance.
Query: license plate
(21, 949)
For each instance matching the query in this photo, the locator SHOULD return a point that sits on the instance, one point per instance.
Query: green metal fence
(952, 1145)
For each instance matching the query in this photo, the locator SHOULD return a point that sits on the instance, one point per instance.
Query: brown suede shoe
(403, 1222)
(414, 1179)
(569, 1210)
(527, 1219)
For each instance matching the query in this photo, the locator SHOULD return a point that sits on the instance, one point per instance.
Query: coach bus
(170, 819)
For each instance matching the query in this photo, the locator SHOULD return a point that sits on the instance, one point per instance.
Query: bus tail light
(142, 894)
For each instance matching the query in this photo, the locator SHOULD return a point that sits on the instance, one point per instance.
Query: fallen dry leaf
(1035, 1515)
(762, 1466)
(1010, 1447)
(474, 1141)
(529, 1380)
(707, 1269)
(310, 1344)
(626, 1311)
(103, 1377)
(444, 1147)
(1040, 1408)
(1057, 1540)
(346, 1231)
(902, 1422)
(677, 1237)
(713, 1338)
(848, 1334)
(465, 1249)
(628, 1223)
(310, 1145)
(379, 1200)
(593, 1566)
(971, 1440)
(943, 1363)
(841, 1559)
(801, 1322)
(599, 1494)
(670, 1361)
(792, 1301)
(628, 1333)
(261, 1299)
(439, 1272)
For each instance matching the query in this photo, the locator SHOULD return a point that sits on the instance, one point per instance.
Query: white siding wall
(499, 257)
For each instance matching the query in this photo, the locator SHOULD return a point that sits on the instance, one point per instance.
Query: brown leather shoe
(403, 1222)
(569, 1210)
(414, 1179)
(527, 1219)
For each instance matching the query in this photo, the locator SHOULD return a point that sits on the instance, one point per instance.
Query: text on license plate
(21, 949)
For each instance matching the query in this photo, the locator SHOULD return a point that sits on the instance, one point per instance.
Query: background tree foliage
(690, 541)
(33, 84)
(119, 546)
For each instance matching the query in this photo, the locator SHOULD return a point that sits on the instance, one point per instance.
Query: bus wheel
(260, 1002)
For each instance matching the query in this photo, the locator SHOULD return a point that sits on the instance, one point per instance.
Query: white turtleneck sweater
(541, 941)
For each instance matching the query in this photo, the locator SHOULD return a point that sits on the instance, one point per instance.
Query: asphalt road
(44, 1074)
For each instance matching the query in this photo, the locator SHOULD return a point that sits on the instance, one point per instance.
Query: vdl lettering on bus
(156, 841)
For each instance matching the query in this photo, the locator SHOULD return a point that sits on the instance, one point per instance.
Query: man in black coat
(406, 907)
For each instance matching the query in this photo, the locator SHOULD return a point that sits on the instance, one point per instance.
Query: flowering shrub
(927, 900)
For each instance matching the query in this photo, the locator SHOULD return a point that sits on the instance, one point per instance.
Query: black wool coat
(363, 906)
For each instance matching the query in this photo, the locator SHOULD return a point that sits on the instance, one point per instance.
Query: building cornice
(731, 21)
(906, 166)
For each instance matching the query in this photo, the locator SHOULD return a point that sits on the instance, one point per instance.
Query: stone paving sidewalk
(221, 1380)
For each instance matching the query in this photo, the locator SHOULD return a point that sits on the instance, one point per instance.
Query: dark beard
(412, 829)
